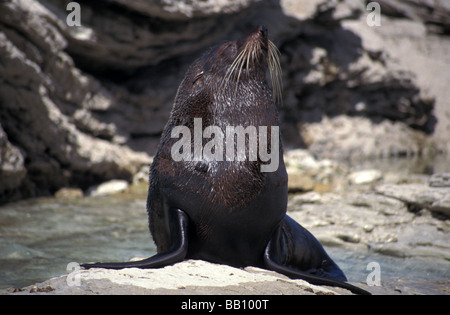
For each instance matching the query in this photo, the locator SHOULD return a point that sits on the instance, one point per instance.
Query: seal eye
(197, 77)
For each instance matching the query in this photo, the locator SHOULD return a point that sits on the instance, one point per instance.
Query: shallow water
(355, 265)
(38, 238)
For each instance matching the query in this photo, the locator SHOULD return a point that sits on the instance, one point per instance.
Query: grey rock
(69, 193)
(184, 10)
(307, 173)
(344, 137)
(417, 57)
(187, 277)
(12, 168)
(440, 180)
(108, 188)
(379, 219)
(148, 33)
(202, 278)
(434, 14)
(406, 286)
(40, 93)
(419, 196)
(365, 176)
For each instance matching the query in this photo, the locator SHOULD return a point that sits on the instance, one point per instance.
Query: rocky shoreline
(365, 211)
(394, 214)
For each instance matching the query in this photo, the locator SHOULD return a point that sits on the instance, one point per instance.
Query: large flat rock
(187, 277)
(196, 277)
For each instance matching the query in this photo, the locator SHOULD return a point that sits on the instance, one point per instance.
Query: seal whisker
(249, 53)
(240, 60)
(275, 71)
(232, 68)
(245, 59)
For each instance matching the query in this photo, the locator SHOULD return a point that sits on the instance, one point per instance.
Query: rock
(309, 197)
(440, 180)
(350, 238)
(345, 80)
(365, 177)
(396, 41)
(142, 176)
(362, 220)
(407, 286)
(108, 188)
(419, 196)
(434, 14)
(176, 10)
(69, 193)
(301, 159)
(344, 137)
(307, 173)
(442, 205)
(194, 277)
(12, 168)
(403, 251)
(298, 181)
(43, 289)
(187, 277)
(42, 95)
(126, 43)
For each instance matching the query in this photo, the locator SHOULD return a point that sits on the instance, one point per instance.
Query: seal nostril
(263, 30)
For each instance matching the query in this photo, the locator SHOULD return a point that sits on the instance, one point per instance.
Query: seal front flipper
(176, 253)
(296, 253)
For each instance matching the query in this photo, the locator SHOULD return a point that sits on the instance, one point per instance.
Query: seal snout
(260, 34)
(255, 54)
(263, 31)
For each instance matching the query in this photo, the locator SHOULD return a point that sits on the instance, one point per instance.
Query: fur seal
(216, 208)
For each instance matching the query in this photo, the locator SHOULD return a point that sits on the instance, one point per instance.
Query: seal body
(219, 207)
(233, 206)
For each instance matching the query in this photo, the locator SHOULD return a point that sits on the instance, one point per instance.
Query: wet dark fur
(221, 198)
(236, 214)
